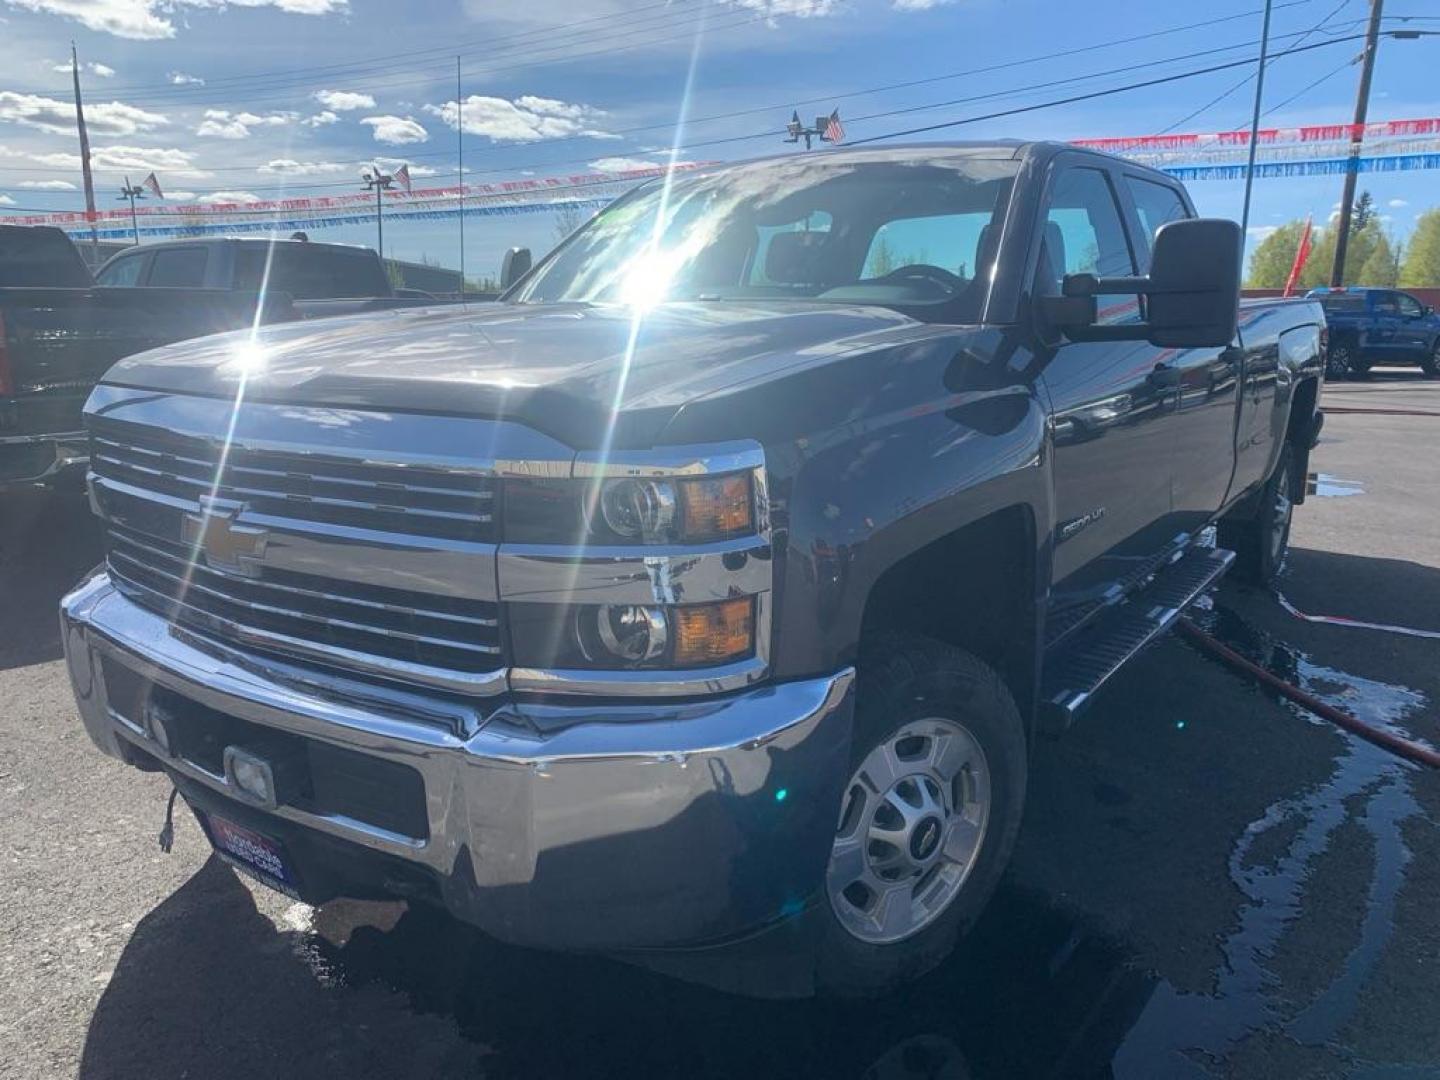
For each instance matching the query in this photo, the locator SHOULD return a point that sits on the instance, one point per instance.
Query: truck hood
(560, 368)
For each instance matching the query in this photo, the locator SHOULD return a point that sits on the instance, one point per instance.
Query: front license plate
(257, 855)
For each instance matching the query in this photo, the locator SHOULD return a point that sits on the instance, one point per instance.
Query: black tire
(1345, 361)
(903, 679)
(1261, 539)
(1430, 364)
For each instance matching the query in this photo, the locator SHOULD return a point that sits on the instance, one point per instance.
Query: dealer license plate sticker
(257, 855)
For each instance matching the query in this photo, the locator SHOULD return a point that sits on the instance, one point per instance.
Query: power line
(1008, 112)
(1093, 94)
(1010, 92)
(842, 95)
(298, 87)
(1249, 78)
(1311, 86)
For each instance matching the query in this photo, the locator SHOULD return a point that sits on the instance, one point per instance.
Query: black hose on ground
(1410, 751)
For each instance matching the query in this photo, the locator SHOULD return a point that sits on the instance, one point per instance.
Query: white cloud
(103, 71)
(291, 167)
(223, 124)
(47, 185)
(344, 100)
(180, 78)
(526, 119)
(801, 9)
(320, 119)
(1260, 232)
(390, 164)
(233, 196)
(150, 20)
(396, 130)
(1396, 204)
(121, 159)
(6, 200)
(628, 164)
(58, 117)
(179, 196)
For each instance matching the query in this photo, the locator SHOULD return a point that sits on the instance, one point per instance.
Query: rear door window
(316, 273)
(179, 268)
(1348, 303)
(1156, 205)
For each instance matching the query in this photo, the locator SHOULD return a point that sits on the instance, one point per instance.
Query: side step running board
(1082, 664)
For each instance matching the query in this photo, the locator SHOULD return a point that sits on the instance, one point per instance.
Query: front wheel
(928, 818)
(1430, 364)
(1261, 541)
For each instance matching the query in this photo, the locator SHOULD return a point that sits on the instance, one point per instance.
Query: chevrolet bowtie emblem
(225, 546)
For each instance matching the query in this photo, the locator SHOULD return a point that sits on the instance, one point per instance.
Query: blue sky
(277, 97)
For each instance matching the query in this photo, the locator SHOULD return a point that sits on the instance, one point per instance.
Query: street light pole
(379, 183)
(133, 192)
(1357, 139)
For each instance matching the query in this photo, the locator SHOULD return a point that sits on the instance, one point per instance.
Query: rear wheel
(1261, 540)
(1343, 361)
(929, 816)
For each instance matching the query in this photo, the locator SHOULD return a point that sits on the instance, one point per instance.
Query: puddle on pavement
(1325, 486)
(1035, 990)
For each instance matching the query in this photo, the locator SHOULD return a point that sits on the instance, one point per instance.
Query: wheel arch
(974, 588)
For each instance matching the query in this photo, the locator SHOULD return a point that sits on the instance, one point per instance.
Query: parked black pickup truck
(713, 586)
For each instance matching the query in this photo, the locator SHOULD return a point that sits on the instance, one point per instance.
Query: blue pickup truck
(1378, 326)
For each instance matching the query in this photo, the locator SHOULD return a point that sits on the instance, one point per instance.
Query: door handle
(1164, 377)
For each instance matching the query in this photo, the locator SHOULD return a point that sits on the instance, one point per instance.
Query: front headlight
(630, 510)
(633, 636)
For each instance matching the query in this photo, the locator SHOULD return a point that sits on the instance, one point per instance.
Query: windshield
(916, 235)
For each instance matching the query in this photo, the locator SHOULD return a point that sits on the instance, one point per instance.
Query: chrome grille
(300, 486)
(291, 611)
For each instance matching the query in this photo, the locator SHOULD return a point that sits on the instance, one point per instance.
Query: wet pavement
(1209, 882)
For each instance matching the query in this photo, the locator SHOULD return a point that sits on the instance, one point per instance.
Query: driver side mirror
(514, 266)
(1193, 291)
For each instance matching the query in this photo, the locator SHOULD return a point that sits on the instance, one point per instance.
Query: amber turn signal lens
(707, 634)
(717, 507)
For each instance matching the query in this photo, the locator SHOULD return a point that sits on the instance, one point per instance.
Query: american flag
(834, 130)
(402, 174)
(153, 185)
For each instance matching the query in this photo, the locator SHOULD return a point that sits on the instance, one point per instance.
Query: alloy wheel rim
(1339, 361)
(911, 827)
(1282, 510)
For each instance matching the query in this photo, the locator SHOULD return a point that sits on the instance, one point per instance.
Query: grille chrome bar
(433, 632)
(300, 485)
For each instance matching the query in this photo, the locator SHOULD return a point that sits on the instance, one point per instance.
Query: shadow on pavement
(207, 988)
(48, 540)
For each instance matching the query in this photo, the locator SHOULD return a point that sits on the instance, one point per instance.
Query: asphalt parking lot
(1209, 882)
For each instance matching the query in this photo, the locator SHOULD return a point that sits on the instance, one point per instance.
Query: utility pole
(132, 192)
(379, 183)
(1254, 132)
(1357, 140)
(460, 167)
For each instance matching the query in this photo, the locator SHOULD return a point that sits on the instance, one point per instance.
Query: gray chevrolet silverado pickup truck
(714, 585)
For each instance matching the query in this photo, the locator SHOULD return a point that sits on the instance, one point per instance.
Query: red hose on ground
(1421, 755)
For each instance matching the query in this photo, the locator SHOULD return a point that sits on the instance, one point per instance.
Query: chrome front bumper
(609, 826)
